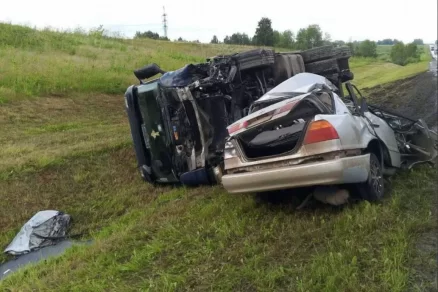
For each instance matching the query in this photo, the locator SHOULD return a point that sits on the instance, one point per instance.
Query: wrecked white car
(301, 133)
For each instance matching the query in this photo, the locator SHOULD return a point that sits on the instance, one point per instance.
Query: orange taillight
(319, 131)
(237, 127)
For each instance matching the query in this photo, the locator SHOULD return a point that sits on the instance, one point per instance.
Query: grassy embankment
(66, 146)
(370, 72)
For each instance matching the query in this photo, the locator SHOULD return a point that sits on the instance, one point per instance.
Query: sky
(200, 20)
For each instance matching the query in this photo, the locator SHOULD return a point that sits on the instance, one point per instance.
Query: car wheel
(317, 54)
(255, 58)
(373, 189)
(341, 53)
(323, 67)
(286, 66)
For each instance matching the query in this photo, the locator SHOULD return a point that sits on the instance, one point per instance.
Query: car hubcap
(376, 177)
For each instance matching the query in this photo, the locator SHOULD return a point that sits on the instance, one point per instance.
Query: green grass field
(371, 72)
(66, 145)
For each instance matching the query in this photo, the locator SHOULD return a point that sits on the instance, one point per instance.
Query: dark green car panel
(155, 132)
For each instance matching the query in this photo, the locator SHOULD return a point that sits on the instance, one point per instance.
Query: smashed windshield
(296, 85)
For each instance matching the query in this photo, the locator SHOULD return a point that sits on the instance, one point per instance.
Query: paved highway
(433, 64)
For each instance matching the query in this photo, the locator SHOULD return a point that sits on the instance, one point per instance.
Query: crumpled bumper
(337, 171)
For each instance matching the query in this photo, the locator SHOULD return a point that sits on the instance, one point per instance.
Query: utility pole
(164, 22)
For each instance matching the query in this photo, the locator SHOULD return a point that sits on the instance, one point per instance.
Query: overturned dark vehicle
(179, 121)
(182, 122)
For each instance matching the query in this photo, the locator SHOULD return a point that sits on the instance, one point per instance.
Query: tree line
(307, 38)
(400, 54)
(392, 42)
(265, 35)
(150, 35)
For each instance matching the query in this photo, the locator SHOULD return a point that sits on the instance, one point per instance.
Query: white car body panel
(341, 160)
(355, 132)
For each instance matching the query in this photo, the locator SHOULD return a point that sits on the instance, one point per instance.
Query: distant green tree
(386, 42)
(402, 54)
(366, 48)
(412, 53)
(302, 39)
(339, 43)
(277, 38)
(398, 54)
(352, 47)
(327, 39)
(246, 40)
(214, 40)
(147, 34)
(412, 50)
(287, 39)
(238, 39)
(284, 39)
(314, 35)
(264, 34)
(309, 37)
(418, 42)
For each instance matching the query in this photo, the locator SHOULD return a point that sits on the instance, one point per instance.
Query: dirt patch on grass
(43, 110)
(414, 97)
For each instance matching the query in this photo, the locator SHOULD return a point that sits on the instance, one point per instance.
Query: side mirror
(148, 71)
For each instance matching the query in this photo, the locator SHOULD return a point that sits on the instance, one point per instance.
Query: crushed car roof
(299, 84)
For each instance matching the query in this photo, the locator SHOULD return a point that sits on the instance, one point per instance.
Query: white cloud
(197, 19)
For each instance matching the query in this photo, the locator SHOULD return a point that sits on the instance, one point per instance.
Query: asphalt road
(433, 64)
(433, 67)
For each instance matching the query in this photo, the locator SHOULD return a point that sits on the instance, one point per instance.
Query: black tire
(286, 66)
(297, 64)
(374, 188)
(323, 67)
(341, 53)
(317, 54)
(255, 58)
(281, 69)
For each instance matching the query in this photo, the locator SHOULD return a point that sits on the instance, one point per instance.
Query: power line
(164, 22)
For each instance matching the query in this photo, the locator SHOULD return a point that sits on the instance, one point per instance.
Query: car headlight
(230, 150)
